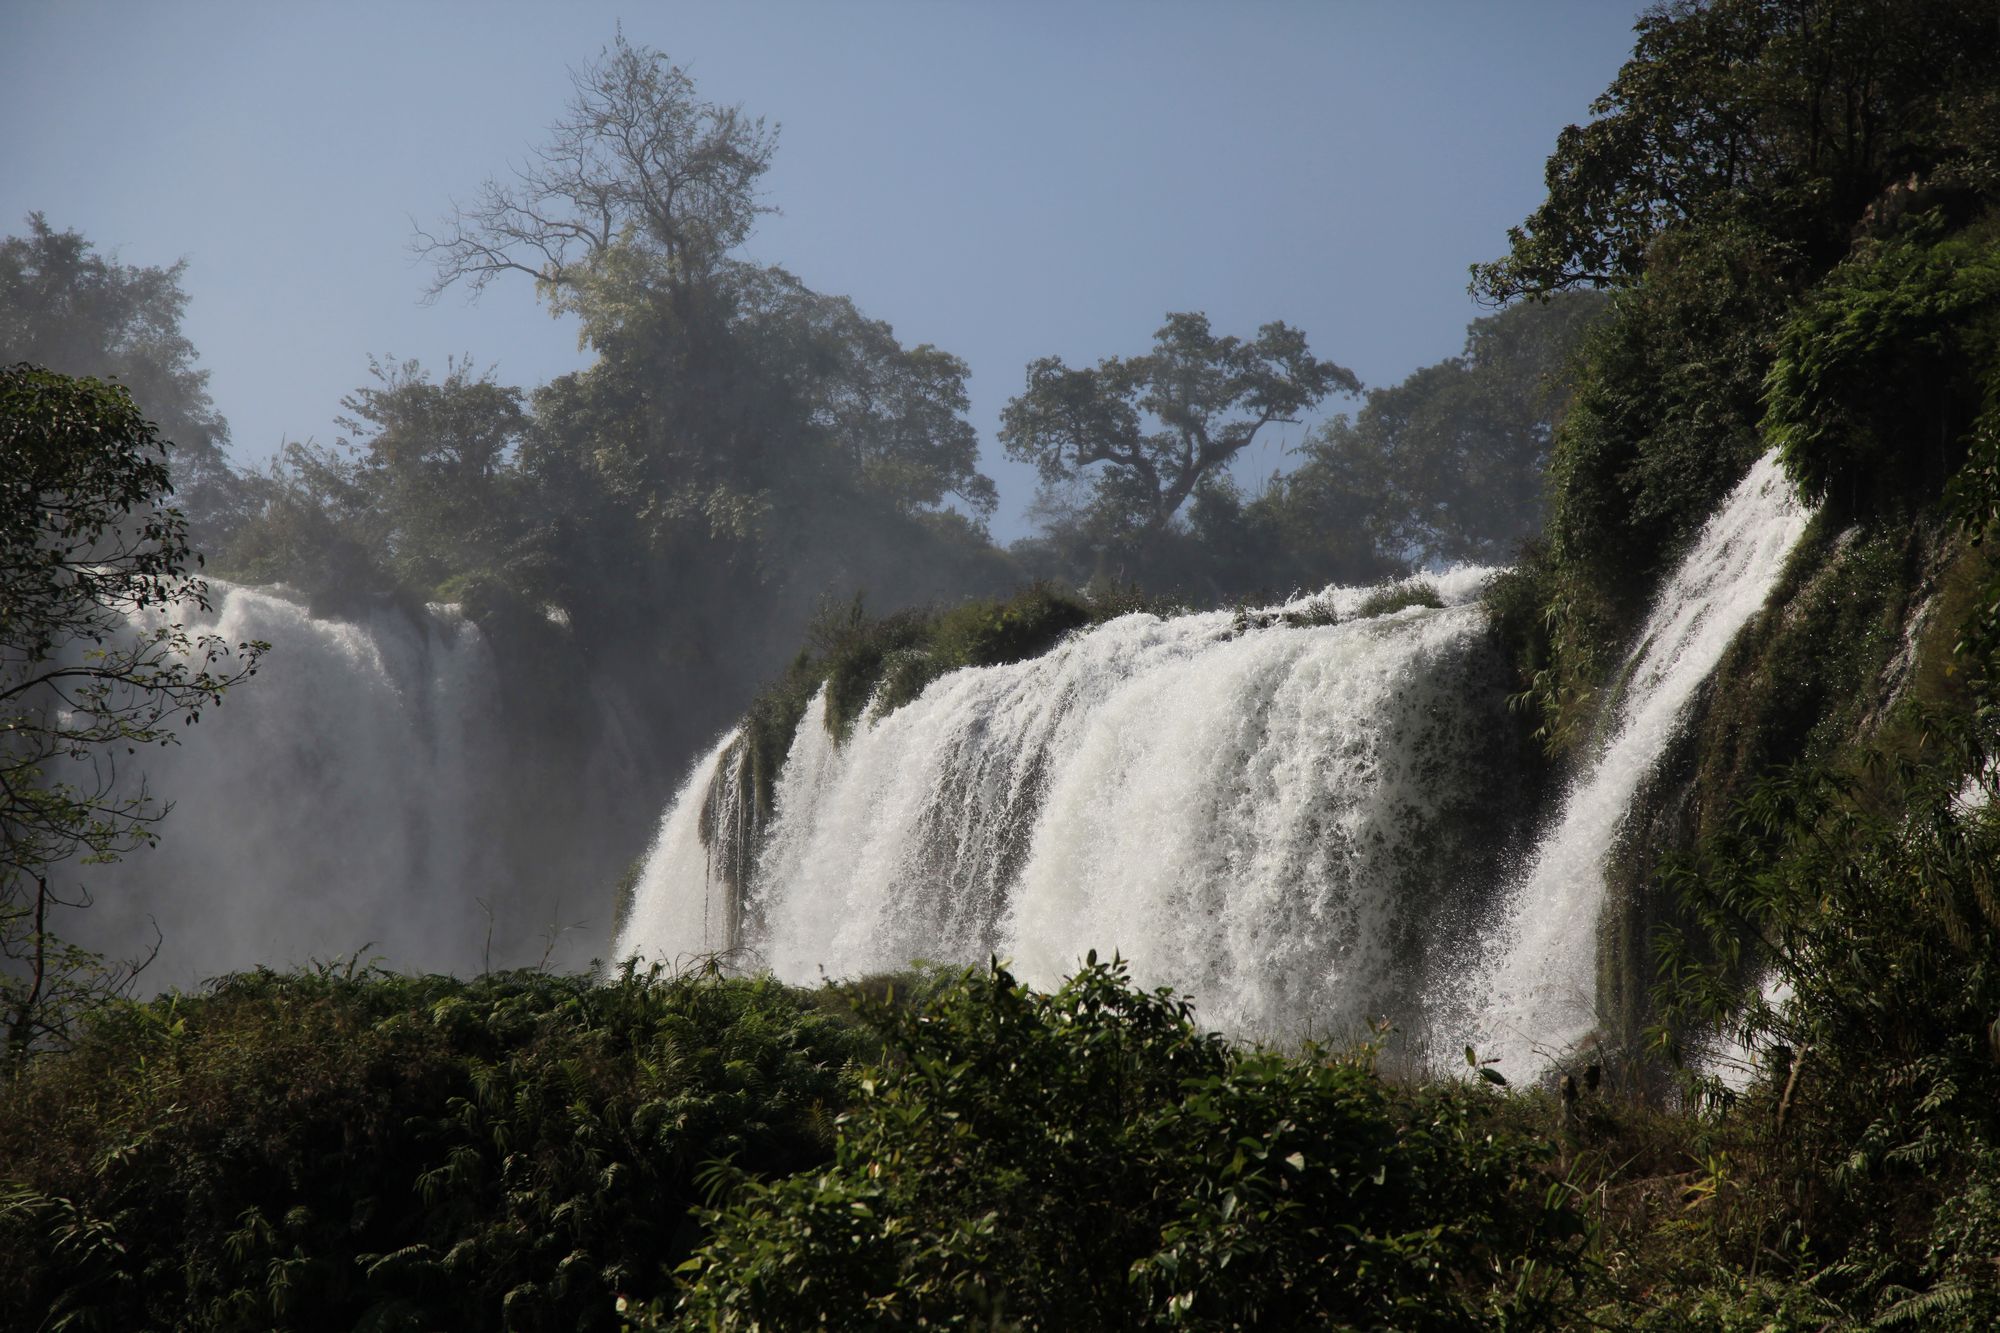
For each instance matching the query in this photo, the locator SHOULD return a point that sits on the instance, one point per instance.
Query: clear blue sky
(1003, 180)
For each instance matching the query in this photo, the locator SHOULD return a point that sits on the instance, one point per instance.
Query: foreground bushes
(334, 1151)
(1088, 1160)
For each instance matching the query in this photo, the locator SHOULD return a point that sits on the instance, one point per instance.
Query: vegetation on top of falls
(1399, 597)
(888, 660)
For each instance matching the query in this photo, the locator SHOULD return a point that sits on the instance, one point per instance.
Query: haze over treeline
(1004, 184)
(741, 464)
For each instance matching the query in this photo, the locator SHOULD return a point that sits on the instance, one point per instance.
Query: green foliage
(424, 495)
(1860, 890)
(1809, 676)
(69, 309)
(341, 1149)
(1452, 459)
(1087, 1159)
(1872, 905)
(891, 659)
(1155, 426)
(1712, 191)
(985, 633)
(1885, 366)
(1791, 118)
(95, 662)
(1399, 596)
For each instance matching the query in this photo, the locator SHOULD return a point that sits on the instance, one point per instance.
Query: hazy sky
(1003, 180)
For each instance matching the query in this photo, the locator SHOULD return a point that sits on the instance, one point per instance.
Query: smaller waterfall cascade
(686, 892)
(339, 801)
(1269, 815)
(1535, 989)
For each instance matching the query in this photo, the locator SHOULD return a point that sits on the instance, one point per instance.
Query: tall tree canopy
(1789, 116)
(1453, 457)
(637, 161)
(1152, 427)
(66, 307)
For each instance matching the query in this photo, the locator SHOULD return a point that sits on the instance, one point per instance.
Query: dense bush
(337, 1150)
(1089, 1160)
(1844, 923)
(1884, 368)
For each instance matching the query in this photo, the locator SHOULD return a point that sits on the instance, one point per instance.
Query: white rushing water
(338, 800)
(684, 896)
(1534, 990)
(1242, 811)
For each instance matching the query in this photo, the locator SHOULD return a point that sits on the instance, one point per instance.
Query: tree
(1161, 422)
(891, 418)
(94, 663)
(422, 491)
(436, 458)
(636, 164)
(1792, 118)
(65, 307)
(1454, 456)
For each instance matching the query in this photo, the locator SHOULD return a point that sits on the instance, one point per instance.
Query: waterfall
(1301, 824)
(1277, 817)
(344, 799)
(686, 893)
(1534, 988)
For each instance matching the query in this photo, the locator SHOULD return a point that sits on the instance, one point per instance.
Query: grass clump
(1399, 597)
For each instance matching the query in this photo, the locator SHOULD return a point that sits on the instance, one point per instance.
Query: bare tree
(636, 160)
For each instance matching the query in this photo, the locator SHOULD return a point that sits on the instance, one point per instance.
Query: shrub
(333, 1151)
(1867, 900)
(1882, 370)
(1398, 597)
(1088, 1159)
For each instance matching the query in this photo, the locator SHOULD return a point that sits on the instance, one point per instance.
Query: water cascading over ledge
(1304, 827)
(1284, 819)
(1531, 990)
(370, 790)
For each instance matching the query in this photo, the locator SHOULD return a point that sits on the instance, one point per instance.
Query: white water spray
(685, 892)
(339, 801)
(1297, 824)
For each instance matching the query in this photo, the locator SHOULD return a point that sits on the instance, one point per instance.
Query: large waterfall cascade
(1245, 808)
(1296, 824)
